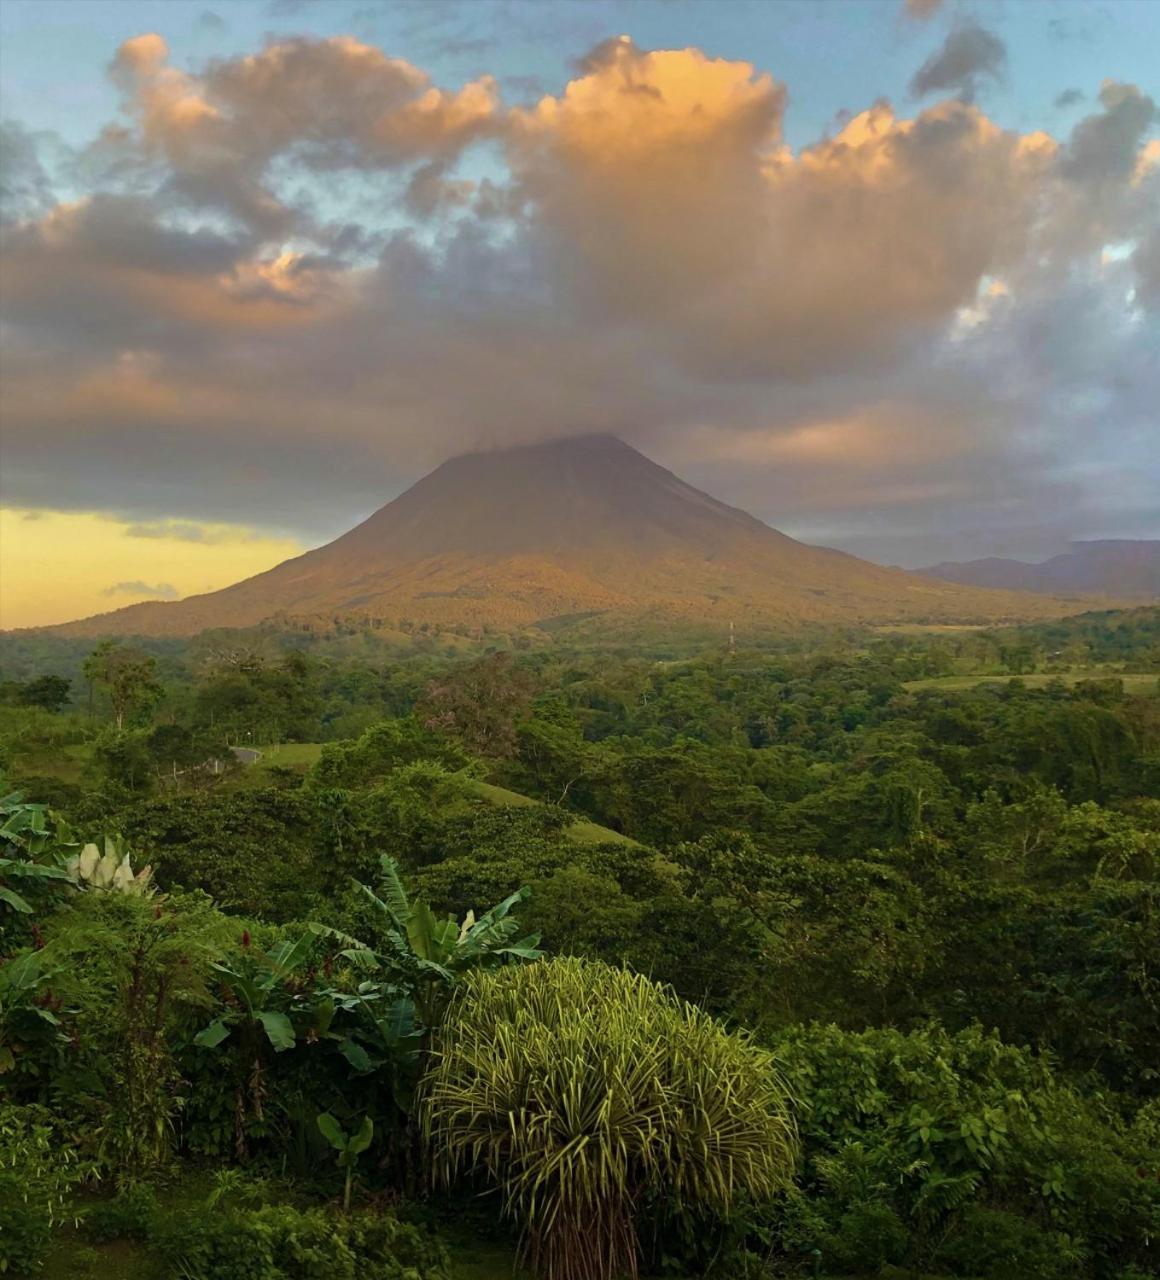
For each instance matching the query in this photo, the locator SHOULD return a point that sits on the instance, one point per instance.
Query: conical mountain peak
(559, 497)
(586, 525)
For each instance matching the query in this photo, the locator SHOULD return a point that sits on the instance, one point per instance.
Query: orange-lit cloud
(300, 277)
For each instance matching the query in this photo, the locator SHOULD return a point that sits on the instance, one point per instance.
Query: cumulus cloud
(143, 590)
(285, 295)
(921, 9)
(969, 55)
(334, 104)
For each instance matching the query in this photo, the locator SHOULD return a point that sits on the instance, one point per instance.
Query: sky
(885, 273)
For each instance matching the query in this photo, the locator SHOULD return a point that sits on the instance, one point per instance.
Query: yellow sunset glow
(57, 565)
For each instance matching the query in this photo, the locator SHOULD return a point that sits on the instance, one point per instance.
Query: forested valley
(836, 956)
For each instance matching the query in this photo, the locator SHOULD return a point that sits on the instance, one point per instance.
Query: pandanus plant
(585, 1094)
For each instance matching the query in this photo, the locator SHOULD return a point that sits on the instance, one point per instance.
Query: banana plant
(27, 1007)
(18, 869)
(373, 1024)
(29, 836)
(432, 953)
(257, 993)
(260, 992)
(110, 870)
(349, 1147)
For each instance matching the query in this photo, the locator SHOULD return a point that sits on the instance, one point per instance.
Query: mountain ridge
(586, 525)
(1120, 567)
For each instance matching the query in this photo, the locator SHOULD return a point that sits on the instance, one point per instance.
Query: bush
(281, 1242)
(869, 1235)
(128, 1216)
(995, 1245)
(961, 1154)
(35, 1177)
(255, 852)
(587, 1094)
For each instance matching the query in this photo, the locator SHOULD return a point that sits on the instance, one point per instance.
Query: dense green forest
(327, 957)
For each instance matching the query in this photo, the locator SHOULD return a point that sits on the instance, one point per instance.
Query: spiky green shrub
(37, 1173)
(583, 1093)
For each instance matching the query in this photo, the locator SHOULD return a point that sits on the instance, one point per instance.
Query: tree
(49, 692)
(480, 704)
(185, 756)
(127, 674)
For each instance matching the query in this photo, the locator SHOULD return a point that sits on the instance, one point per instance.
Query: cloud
(761, 262)
(969, 54)
(333, 104)
(298, 278)
(921, 9)
(25, 187)
(190, 531)
(161, 591)
(208, 20)
(55, 562)
(1069, 98)
(1146, 260)
(1104, 146)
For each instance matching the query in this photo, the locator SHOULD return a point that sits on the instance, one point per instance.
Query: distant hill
(580, 528)
(1123, 569)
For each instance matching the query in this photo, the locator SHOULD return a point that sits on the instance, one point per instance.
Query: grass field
(581, 832)
(289, 755)
(1135, 683)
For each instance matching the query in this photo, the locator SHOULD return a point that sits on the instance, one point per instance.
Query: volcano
(584, 528)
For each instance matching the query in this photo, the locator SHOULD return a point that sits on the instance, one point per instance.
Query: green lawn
(1147, 683)
(291, 754)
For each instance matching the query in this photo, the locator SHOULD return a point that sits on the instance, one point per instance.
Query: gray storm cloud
(969, 54)
(285, 295)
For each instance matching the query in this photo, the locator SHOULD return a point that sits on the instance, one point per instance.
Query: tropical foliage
(831, 957)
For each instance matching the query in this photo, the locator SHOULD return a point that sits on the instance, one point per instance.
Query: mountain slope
(581, 526)
(1114, 567)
